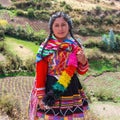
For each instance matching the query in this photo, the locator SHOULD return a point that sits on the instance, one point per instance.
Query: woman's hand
(42, 105)
(81, 57)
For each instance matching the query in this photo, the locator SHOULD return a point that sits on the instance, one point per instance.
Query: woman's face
(60, 28)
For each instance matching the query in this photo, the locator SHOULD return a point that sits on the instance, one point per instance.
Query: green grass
(104, 87)
(12, 13)
(100, 66)
(29, 45)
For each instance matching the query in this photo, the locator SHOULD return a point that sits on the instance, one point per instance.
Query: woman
(57, 93)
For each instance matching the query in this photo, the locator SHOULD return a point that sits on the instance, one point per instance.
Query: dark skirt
(72, 104)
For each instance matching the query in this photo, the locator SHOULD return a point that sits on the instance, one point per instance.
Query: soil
(106, 110)
(36, 25)
(6, 3)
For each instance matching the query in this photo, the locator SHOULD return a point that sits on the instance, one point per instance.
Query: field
(101, 83)
(90, 4)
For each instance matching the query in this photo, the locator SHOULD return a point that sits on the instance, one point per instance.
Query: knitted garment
(52, 48)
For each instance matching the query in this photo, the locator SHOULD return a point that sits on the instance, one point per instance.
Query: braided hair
(51, 21)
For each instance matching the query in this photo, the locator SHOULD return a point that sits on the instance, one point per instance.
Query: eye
(63, 24)
(56, 25)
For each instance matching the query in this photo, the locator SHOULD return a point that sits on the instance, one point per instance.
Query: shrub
(42, 14)
(91, 43)
(98, 10)
(47, 3)
(103, 95)
(2, 46)
(41, 36)
(31, 13)
(108, 20)
(24, 4)
(30, 65)
(1, 7)
(9, 104)
(3, 23)
(117, 43)
(20, 32)
(110, 43)
(2, 33)
(76, 22)
(20, 13)
(10, 30)
(83, 31)
(14, 62)
(2, 69)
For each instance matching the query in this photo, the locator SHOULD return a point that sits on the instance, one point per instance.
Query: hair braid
(46, 41)
(75, 38)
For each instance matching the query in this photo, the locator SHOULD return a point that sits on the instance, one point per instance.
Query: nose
(60, 28)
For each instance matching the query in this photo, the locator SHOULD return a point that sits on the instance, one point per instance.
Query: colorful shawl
(64, 80)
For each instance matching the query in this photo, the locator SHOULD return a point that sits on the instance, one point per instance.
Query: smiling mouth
(61, 33)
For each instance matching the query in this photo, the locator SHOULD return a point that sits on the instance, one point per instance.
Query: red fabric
(82, 69)
(41, 73)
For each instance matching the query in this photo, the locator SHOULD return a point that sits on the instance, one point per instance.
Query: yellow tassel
(64, 79)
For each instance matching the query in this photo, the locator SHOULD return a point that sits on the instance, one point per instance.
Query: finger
(80, 52)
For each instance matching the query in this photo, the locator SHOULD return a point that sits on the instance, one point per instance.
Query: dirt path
(106, 110)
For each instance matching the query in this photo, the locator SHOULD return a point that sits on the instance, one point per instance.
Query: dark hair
(51, 21)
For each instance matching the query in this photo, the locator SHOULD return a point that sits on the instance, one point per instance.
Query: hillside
(26, 26)
(91, 14)
(90, 4)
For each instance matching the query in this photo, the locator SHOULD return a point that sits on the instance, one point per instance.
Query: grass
(88, 4)
(12, 13)
(11, 42)
(104, 87)
(101, 66)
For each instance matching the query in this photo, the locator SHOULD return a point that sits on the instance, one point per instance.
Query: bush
(91, 43)
(41, 36)
(14, 63)
(76, 22)
(98, 10)
(21, 13)
(1, 7)
(42, 14)
(83, 31)
(24, 5)
(30, 65)
(3, 23)
(10, 106)
(2, 33)
(108, 20)
(31, 13)
(110, 43)
(10, 30)
(103, 95)
(2, 69)
(2, 46)
(117, 43)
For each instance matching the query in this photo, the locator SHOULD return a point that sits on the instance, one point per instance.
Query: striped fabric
(73, 103)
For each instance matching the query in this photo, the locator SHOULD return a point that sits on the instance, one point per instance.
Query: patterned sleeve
(82, 69)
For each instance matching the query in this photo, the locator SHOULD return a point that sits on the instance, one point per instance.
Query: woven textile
(71, 105)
